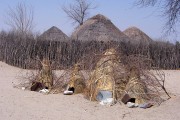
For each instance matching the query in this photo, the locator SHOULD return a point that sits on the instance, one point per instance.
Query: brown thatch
(46, 77)
(109, 75)
(136, 88)
(54, 34)
(98, 28)
(77, 81)
(137, 36)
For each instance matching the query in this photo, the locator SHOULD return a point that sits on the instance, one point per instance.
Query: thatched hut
(77, 82)
(137, 36)
(109, 75)
(98, 28)
(136, 88)
(44, 78)
(54, 34)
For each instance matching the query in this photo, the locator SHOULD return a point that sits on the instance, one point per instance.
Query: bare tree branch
(173, 14)
(79, 11)
(20, 19)
(171, 11)
(146, 2)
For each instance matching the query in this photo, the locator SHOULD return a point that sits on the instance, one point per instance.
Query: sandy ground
(16, 104)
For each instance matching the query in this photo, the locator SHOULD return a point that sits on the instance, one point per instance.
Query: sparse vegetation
(21, 19)
(25, 53)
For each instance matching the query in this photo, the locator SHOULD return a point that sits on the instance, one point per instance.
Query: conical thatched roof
(98, 28)
(136, 35)
(54, 34)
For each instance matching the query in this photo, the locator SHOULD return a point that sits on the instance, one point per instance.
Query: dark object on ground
(71, 89)
(36, 86)
(125, 98)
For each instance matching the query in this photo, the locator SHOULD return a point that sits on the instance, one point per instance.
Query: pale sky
(122, 13)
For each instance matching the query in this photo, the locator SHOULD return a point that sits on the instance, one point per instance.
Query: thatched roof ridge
(54, 34)
(98, 28)
(136, 35)
(100, 18)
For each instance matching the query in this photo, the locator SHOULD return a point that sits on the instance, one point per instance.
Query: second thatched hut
(137, 36)
(98, 28)
(54, 34)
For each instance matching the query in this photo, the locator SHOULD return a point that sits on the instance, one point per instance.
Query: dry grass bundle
(77, 81)
(136, 88)
(45, 77)
(107, 71)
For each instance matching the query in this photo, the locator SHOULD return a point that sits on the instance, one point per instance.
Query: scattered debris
(145, 105)
(131, 105)
(23, 88)
(66, 92)
(105, 97)
(107, 101)
(44, 91)
(126, 98)
(36, 86)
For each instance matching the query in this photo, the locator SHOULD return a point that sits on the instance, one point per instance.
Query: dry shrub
(26, 79)
(153, 81)
(44, 76)
(61, 82)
